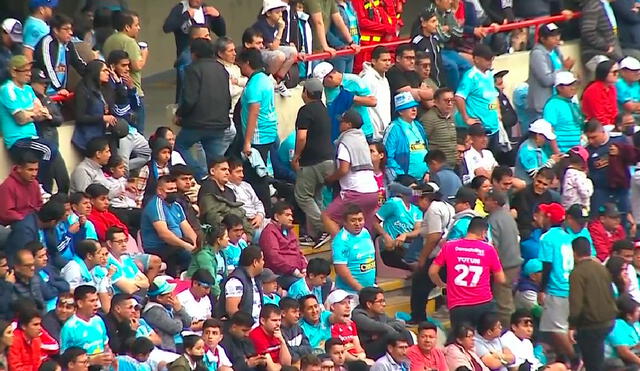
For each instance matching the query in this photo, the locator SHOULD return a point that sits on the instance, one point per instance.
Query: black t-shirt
(314, 117)
(399, 79)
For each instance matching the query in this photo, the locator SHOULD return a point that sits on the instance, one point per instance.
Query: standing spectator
(425, 354)
(564, 113)
(545, 62)
(439, 125)
(20, 191)
(469, 297)
(11, 38)
(628, 87)
(525, 201)
(55, 52)
(375, 328)
(396, 356)
(323, 14)
(127, 25)
(296, 339)
(313, 156)
(354, 171)
(428, 41)
(403, 77)
(535, 153)
(478, 159)
(345, 63)
(26, 354)
(477, 96)
(599, 100)
(259, 121)
(165, 230)
(181, 19)
(36, 27)
(353, 253)
(376, 22)
(598, 34)
(628, 20)
(504, 236)
(577, 188)
(374, 74)
(56, 318)
(592, 309)
(335, 82)
(405, 140)
(606, 229)
(204, 118)
(226, 54)
(267, 337)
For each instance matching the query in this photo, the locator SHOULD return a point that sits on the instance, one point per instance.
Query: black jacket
(179, 22)
(52, 324)
(54, 109)
(206, 100)
(238, 350)
(45, 57)
(118, 333)
(628, 23)
(246, 302)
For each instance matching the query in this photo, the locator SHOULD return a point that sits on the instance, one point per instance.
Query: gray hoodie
(166, 322)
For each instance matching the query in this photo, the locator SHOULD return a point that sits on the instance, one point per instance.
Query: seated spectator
(478, 159)
(118, 322)
(488, 345)
(375, 328)
(215, 358)
(297, 341)
(187, 195)
(606, 229)
(242, 289)
(336, 350)
(46, 55)
(354, 171)
(164, 228)
(628, 87)
(525, 201)
(52, 284)
(269, 287)
(165, 132)
(439, 125)
(239, 347)
(425, 355)
(19, 109)
(216, 199)
(267, 338)
(460, 353)
(165, 313)
(405, 140)
(193, 355)
(100, 216)
(315, 322)
(546, 61)
(78, 270)
(280, 246)
(11, 40)
(342, 327)
(159, 165)
(20, 191)
(279, 57)
(127, 278)
(396, 355)
(336, 82)
(74, 228)
(528, 287)
(86, 330)
(253, 207)
(623, 338)
(75, 359)
(314, 281)
(599, 100)
(196, 300)
(89, 170)
(26, 352)
(598, 34)
(427, 40)
(27, 284)
(535, 152)
(617, 268)
(138, 352)
(54, 319)
(211, 258)
(374, 74)
(310, 362)
(577, 188)
(126, 206)
(563, 112)
(624, 249)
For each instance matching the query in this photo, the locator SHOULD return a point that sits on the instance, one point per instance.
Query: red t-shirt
(265, 343)
(469, 265)
(345, 332)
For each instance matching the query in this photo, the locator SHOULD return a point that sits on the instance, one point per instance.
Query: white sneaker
(282, 90)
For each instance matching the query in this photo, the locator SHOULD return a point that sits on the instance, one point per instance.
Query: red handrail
(489, 29)
(62, 98)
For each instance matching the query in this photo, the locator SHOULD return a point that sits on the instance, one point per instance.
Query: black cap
(352, 116)
(427, 13)
(549, 29)
(477, 130)
(483, 51)
(578, 212)
(500, 74)
(38, 76)
(610, 210)
(466, 194)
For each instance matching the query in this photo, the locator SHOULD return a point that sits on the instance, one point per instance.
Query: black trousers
(176, 258)
(377, 348)
(421, 286)
(131, 217)
(470, 313)
(591, 345)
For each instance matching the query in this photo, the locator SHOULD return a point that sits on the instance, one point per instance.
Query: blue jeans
(182, 62)
(214, 144)
(343, 64)
(619, 196)
(140, 117)
(454, 65)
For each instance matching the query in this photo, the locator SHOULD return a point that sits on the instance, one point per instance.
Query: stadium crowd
(183, 250)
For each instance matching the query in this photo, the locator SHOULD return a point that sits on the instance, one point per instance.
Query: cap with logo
(554, 211)
(542, 126)
(38, 3)
(609, 210)
(322, 70)
(564, 78)
(578, 212)
(38, 76)
(13, 28)
(630, 63)
(549, 29)
(404, 101)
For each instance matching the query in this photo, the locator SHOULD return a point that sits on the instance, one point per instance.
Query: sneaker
(324, 238)
(306, 240)
(282, 90)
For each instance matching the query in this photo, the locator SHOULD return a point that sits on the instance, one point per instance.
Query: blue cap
(531, 267)
(48, 3)
(161, 287)
(404, 101)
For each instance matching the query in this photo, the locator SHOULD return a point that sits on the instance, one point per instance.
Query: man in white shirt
(196, 300)
(374, 74)
(253, 207)
(479, 160)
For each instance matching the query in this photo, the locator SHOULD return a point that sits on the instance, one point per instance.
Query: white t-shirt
(197, 310)
(233, 289)
(437, 219)
(379, 86)
(359, 181)
(521, 349)
(476, 160)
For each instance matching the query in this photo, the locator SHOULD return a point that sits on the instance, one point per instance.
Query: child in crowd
(215, 357)
(159, 165)
(237, 240)
(313, 281)
(137, 358)
(269, 287)
(577, 188)
(75, 226)
(167, 134)
(125, 205)
(379, 160)
(343, 328)
(526, 295)
(296, 339)
(209, 256)
(100, 215)
(67, 232)
(102, 274)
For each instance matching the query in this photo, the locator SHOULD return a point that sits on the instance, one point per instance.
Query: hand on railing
(62, 98)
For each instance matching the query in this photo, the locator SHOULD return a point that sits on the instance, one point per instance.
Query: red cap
(554, 211)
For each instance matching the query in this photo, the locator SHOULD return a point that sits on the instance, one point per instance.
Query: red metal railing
(565, 16)
(62, 98)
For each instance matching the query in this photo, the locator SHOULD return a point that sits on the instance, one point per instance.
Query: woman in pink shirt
(425, 356)
(461, 352)
(599, 99)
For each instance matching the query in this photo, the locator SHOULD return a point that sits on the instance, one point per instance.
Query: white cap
(13, 28)
(630, 63)
(336, 297)
(272, 4)
(542, 126)
(564, 78)
(322, 70)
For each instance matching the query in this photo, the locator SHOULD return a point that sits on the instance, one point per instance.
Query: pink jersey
(469, 265)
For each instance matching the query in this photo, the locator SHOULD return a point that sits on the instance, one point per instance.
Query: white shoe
(282, 90)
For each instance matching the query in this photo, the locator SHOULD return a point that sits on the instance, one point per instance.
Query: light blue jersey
(397, 218)
(259, 89)
(584, 232)
(354, 84)
(623, 334)
(555, 248)
(566, 118)
(358, 254)
(232, 253)
(271, 299)
(481, 97)
(12, 100)
(34, 30)
(125, 268)
(530, 159)
(90, 336)
(627, 92)
(318, 333)
(300, 289)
